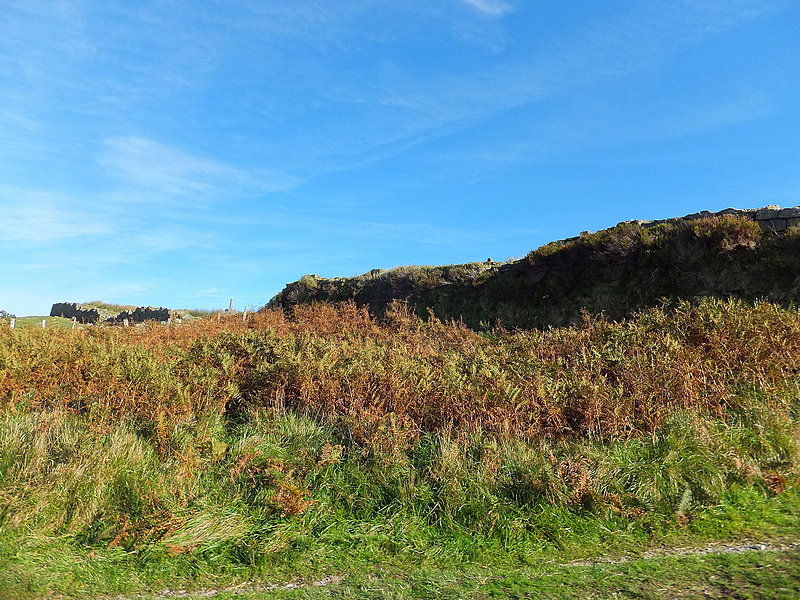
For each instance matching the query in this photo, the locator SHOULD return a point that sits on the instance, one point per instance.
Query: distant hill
(749, 254)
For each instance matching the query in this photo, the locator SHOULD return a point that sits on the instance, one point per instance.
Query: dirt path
(772, 546)
(246, 587)
(250, 587)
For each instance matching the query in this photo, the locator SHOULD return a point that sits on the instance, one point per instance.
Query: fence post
(74, 322)
(244, 315)
(12, 323)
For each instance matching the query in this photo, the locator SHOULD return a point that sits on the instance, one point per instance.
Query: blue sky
(175, 153)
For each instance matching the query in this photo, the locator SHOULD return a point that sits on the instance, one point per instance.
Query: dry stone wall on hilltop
(772, 218)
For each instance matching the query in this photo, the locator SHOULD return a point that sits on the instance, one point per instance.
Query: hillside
(746, 254)
(325, 444)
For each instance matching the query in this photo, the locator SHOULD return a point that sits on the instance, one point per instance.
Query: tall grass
(250, 442)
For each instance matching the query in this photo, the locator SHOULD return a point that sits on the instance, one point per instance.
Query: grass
(50, 322)
(104, 306)
(739, 576)
(331, 442)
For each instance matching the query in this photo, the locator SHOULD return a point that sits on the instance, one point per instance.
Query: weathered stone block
(766, 214)
(789, 213)
(703, 214)
(773, 225)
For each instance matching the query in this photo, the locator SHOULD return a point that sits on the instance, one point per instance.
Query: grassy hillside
(327, 442)
(615, 272)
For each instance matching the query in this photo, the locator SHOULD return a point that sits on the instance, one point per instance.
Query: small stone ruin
(73, 310)
(145, 313)
(91, 314)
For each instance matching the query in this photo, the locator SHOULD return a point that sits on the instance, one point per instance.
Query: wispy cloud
(41, 217)
(399, 109)
(616, 123)
(160, 168)
(492, 8)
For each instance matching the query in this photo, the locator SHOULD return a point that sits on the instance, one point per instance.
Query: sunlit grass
(228, 447)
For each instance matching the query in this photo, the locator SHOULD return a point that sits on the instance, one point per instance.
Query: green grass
(58, 322)
(277, 449)
(104, 306)
(41, 568)
(94, 515)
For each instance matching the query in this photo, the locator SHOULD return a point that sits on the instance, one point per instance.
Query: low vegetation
(105, 306)
(617, 272)
(329, 440)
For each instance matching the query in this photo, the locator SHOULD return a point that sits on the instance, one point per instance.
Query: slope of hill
(748, 254)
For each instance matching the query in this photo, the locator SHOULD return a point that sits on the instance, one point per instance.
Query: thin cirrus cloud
(146, 163)
(492, 8)
(404, 111)
(38, 217)
(625, 124)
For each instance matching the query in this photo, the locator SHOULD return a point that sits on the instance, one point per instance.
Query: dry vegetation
(597, 380)
(327, 434)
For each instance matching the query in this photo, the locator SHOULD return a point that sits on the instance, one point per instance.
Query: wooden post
(219, 315)
(244, 315)
(125, 322)
(230, 306)
(74, 322)
(44, 322)
(12, 323)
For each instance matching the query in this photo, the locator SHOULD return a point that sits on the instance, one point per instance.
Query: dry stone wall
(772, 218)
